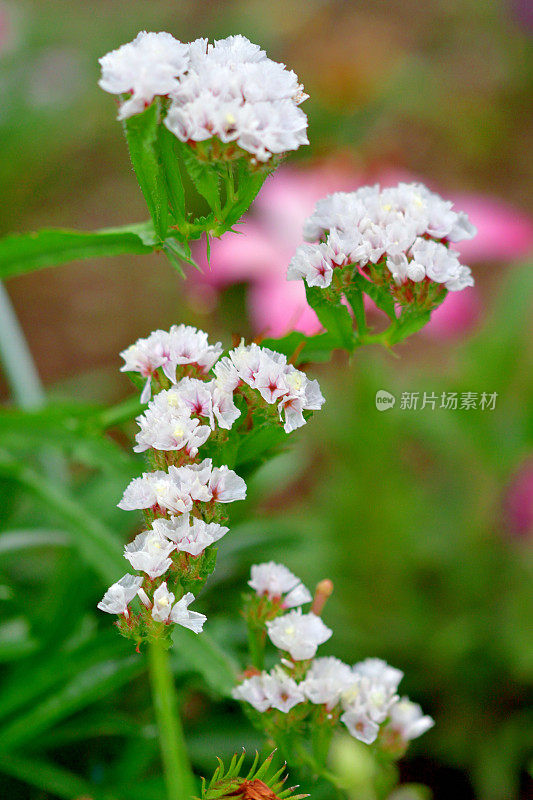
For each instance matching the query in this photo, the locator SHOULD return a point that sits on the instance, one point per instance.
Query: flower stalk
(179, 778)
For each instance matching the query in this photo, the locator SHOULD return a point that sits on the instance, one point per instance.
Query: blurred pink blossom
(519, 501)
(271, 233)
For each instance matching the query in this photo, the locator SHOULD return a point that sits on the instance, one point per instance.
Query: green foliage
(29, 252)
(142, 135)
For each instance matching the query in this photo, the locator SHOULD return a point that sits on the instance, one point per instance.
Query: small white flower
(224, 409)
(313, 263)
(326, 680)
(282, 691)
(163, 600)
(277, 582)
(360, 726)
(298, 634)
(191, 535)
(145, 356)
(181, 615)
(188, 345)
(139, 494)
(149, 552)
(226, 486)
(148, 66)
(378, 670)
(252, 690)
(117, 597)
(406, 719)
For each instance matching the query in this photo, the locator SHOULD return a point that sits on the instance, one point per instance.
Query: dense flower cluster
(182, 499)
(276, 381)
(398, 237)
(363, 696)
(229, 90)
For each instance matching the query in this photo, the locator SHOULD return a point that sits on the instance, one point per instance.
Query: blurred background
(423, 518)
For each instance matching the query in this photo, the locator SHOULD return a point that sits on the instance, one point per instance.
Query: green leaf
(95, 542)
(89, 685)
(141, 132)
(255, 445)
(21, 253)
(334, 317)
(12, 541)
(381, 297)
(300, 348)
(204, 656)
(248, 186)
(168, 152)
(204, 176)
(354, 295)
(67, 427)
(42, 676)
(406, 325)
(48, 778)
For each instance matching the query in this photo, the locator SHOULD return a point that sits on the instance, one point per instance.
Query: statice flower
(190, 534)
(234, 93)
(369, 699)
(226, 486)
(187, 345)
(149, 552)
(276, 381)
(277, 582)
(282, 691)
(120, 594)
(163, 600)
(407, 720)
(407, 228)
(167, 423)
(298, 634)
(270, 690)
(181, 615)
(149, 66)
(181, 346)
(145, 357)
(252, 690)
(326, 680)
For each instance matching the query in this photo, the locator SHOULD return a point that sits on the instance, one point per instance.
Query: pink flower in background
(260, 254)
(503, 234)
(271, 233)
(519, 502)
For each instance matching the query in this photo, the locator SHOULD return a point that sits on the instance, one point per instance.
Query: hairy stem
(179, 778)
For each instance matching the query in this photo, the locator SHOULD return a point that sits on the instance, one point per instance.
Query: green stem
(179, 778)
(256, 645)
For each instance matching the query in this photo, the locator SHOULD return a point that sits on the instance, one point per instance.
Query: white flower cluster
(275, 380)
(364, 696)
(181, 346)
(406, 226)
(181, 498)
(229, 90)
(366, 693)
(179, 489)
(277, 582)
